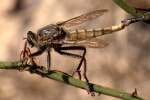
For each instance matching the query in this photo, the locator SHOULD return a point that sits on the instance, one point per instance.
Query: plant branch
(67, 79)
(131, 10)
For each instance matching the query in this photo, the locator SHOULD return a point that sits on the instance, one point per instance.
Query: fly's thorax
(50, 33)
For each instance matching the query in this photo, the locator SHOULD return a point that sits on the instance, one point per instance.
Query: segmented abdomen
(83, 34)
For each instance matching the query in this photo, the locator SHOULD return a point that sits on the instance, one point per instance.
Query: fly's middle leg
(36, 53)
(48, 60)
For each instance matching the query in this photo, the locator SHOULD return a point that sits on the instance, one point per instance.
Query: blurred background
(124, 64)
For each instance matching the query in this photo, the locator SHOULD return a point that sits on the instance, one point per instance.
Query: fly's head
(31, 39)
(46, 37)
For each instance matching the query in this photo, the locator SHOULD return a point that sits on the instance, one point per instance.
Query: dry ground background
(124, 64)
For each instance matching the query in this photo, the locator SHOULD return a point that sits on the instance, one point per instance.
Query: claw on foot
(91, 93)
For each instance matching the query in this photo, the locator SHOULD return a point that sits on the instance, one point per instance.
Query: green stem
(131, 10)
(67, 79)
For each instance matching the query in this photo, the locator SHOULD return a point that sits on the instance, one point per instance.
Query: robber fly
(56, 36)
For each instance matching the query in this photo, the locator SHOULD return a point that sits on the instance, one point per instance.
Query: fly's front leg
(26, 56)
(61, 50)
(24, 53)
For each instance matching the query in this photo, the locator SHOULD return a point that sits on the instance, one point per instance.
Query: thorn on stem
(134, 93)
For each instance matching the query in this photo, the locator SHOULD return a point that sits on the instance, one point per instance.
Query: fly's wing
(94, 44)
(100, 42)
(82, 18)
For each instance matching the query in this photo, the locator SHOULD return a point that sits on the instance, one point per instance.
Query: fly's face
(32, 39)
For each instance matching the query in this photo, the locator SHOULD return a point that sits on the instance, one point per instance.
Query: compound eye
(31, 38)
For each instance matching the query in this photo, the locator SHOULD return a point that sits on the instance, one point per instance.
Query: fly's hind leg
(61, 50)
